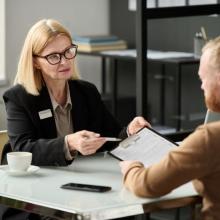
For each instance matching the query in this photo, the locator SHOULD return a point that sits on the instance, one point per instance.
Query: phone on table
(86, 187)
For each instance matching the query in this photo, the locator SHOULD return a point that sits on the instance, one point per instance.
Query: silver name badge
(45, 114)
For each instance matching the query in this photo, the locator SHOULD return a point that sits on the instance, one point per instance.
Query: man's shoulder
(210, 126)
(207, 135)
(213, 127)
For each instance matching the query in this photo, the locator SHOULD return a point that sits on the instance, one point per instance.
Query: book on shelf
(94, 43)
(95, 38)
(92, 48)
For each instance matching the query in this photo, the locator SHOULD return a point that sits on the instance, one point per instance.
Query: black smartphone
(86, 187)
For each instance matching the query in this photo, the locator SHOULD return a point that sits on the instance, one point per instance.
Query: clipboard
(147, 146)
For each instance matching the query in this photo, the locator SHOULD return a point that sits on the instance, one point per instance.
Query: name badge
(45, 114)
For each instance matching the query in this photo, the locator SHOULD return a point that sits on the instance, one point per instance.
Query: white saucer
(29, 171)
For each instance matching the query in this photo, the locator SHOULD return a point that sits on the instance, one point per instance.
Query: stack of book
(99, 43)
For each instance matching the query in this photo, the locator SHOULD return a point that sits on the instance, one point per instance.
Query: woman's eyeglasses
(55, 58)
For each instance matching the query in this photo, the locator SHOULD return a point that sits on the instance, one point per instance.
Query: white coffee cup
(19, 161)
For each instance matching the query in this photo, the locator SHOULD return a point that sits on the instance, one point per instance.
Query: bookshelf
(128, 56)
(143, 14)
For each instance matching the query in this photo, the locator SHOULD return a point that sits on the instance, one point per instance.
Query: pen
(112, 139)
(204, 36)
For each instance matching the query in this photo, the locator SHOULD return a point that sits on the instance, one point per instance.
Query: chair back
(3, 141)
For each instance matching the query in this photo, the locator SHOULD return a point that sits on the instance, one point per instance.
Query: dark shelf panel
(144, 14)
(182, 11)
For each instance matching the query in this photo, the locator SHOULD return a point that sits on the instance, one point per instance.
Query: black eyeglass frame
(60, 55)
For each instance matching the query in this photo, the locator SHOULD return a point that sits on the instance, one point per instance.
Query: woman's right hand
(86, 142)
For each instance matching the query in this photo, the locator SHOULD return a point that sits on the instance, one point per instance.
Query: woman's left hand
(136, 124)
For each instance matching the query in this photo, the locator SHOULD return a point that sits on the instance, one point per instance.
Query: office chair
(3, 141)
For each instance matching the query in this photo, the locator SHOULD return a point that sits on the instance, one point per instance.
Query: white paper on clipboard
(147, 146)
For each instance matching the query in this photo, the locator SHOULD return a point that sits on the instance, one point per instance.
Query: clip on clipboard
(146, 146)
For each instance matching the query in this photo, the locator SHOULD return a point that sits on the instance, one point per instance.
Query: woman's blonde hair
(37, 39)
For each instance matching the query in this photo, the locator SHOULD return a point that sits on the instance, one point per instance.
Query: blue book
(95, 38)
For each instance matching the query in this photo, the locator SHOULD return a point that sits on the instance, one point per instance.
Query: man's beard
(212, 102)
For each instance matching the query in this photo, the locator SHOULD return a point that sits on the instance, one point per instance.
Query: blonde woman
(50, 111)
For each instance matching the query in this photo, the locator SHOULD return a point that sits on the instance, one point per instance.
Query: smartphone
(86, 187)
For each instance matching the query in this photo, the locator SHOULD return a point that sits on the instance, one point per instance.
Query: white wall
(2, 39)
(79, 16)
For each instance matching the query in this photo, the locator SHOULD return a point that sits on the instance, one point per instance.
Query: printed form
(147, 146)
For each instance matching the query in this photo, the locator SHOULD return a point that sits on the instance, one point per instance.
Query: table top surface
(43, 188)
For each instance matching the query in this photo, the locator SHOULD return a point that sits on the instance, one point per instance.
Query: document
(147, 146)
(151, 54)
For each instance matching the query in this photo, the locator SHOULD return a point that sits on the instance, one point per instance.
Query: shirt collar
(68, 101)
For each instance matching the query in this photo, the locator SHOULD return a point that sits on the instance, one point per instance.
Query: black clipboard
(137, 142)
